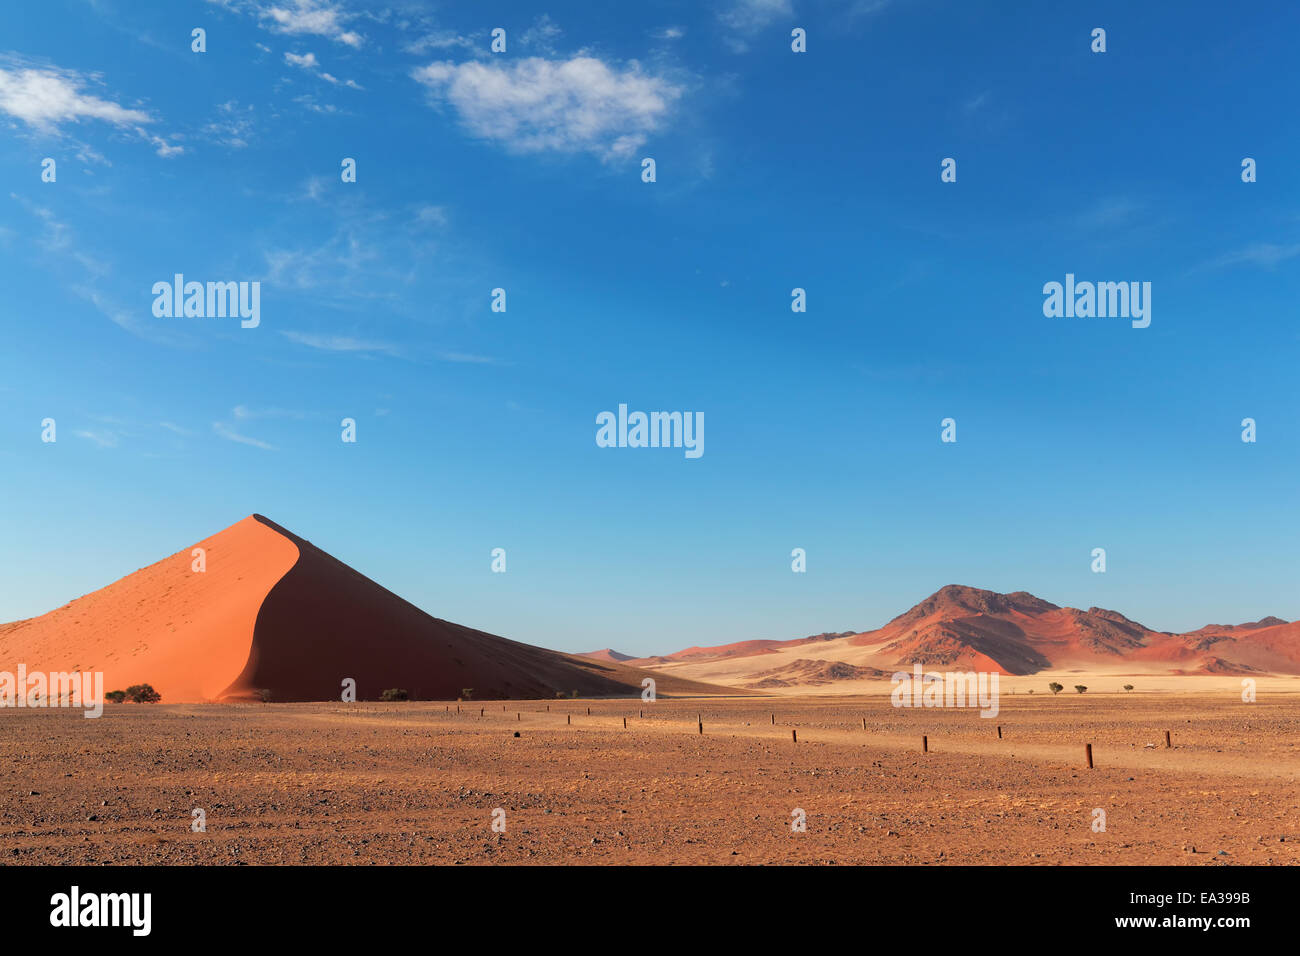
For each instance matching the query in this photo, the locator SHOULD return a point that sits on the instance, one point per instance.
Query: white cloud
(45, 98)
(534, 105)
(163, 148)
(311, 18)
(307, 62)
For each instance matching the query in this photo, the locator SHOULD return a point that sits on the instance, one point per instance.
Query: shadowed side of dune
(324, 622)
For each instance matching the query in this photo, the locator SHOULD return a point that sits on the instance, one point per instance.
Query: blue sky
(774, 170)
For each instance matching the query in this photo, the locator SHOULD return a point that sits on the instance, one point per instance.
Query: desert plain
(418, 782)
(305, 719)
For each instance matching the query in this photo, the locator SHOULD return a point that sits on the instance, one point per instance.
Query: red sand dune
(186, 633)
(813, 672)
(695, 655)
(274, 613)
(609, 655)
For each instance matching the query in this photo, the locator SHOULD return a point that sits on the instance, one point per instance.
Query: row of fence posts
(794, 734)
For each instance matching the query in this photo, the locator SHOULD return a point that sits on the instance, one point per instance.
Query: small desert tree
(1080, 688)
(116, 696)
(467, 693)
(1055, 688)
(394, 693)
(1128, 686)
(143, 694)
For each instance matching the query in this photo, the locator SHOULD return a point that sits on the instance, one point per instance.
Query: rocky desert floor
(419, 783)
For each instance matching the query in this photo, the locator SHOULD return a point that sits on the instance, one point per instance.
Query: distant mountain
(1016, 633)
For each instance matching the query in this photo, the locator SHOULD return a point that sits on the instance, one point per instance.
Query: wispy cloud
(104, 439)
(121, 317)
(443, 40)
(541, 36)
(535, 105)
(308, 62)
(866, 8)
(465, 358)
(346, 344)
(431, 215)
(743, 19)
(1110, 213)
(1264, 254)
(82, 273)
(228, 433)
(340, 343)
(331, 264)
(244, 413)
(233, 125)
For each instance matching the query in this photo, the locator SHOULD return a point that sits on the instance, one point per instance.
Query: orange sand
(186, 633)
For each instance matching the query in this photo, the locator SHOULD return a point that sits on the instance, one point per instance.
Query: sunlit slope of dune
(187, 632)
